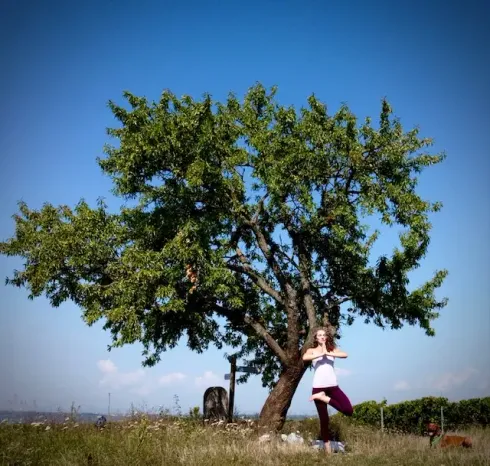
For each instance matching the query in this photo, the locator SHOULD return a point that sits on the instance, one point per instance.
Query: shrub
(413, 416)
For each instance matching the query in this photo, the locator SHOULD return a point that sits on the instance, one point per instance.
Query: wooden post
(442, 419)
(231, 400)
(382, 420)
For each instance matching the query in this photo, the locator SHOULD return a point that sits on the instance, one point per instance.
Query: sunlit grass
(167, 440)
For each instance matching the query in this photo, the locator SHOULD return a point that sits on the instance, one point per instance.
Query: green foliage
(195, 414)
(263, 205)
(413, 416)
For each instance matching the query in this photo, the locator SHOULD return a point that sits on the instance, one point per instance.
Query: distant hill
(36, 416)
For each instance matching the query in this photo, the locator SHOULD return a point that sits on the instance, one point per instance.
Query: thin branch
(282, 252)
(248, 270)
(241, 175)
(273, 345)
(263, 242)
(336, 301)
(290, 260)
(304, 263)
(290, 295)
(288, 298)
(259, 329)
(371, 151)
(349, 180)
(260, 208)
(242, 257)
(266, 251)
(258, 279)
(235, 236)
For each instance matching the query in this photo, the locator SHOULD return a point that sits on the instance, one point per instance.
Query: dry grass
(172, 442)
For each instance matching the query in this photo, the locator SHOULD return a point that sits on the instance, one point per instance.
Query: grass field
(173, 441)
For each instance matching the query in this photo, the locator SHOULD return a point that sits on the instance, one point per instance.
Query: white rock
(292, 438)
(265, 438)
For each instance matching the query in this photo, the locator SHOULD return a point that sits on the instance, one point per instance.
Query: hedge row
(413, 416)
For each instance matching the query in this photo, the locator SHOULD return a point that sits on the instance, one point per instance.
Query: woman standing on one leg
(325, 387)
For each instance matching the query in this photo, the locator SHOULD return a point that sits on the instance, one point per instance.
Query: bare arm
(337, 353)
(311, 354)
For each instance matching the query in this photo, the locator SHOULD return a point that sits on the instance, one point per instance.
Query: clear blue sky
(62, 61)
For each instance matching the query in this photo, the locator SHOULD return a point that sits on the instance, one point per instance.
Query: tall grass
(167, 440)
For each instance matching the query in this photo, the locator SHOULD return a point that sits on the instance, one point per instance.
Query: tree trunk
(276, 406)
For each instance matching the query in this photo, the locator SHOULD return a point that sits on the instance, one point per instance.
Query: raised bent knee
(349, 411)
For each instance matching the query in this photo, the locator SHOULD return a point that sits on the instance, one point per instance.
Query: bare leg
(320, 396)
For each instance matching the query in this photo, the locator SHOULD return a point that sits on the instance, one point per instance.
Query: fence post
(382, 420)
(231, 400)
(442, 418)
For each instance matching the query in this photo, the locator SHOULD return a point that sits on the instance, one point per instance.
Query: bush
(413, 416)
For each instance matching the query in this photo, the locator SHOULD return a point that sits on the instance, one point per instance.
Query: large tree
(245, 227)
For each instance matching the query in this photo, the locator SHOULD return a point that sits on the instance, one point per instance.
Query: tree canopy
(246, 227)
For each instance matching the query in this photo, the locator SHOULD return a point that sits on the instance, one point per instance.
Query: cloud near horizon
(138, 381)
(113, 378)
(445, 382)
(402, 385)
(171, 378)
(142, 383)
(450, 380)
(208, 379)
(341, 372)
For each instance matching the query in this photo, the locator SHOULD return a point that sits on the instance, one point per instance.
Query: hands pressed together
(320, 351)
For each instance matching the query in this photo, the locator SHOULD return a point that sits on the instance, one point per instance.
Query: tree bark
(274, 411)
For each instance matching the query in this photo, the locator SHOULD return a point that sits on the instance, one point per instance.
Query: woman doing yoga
(325, 387)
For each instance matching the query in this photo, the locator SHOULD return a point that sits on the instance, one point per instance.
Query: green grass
(172, 441)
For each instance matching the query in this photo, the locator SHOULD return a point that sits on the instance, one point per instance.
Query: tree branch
(336, 301)
(304, 262)
(247, 269)
(349, 180)
(289, 259)
(260, 208)
(371, 151)
(290, 295)
(260, 281)
(273, 345)
(253, 224)
(259, 329)
(266, 251)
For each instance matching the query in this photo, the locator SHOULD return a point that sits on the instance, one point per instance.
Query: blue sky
(62, 62)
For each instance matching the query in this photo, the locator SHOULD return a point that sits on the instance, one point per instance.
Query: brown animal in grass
(438, 439)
